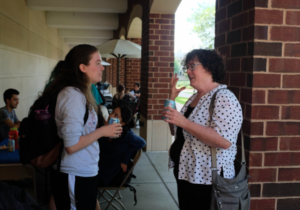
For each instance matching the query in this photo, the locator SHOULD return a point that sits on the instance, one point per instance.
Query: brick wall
(133, 67)
(261, 41)
(111, 72)
(161, 61)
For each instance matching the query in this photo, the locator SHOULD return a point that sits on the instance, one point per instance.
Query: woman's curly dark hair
(211, 60)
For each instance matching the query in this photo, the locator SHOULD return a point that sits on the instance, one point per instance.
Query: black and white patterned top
(195, 157)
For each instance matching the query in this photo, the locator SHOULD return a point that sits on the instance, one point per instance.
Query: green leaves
(203, 18)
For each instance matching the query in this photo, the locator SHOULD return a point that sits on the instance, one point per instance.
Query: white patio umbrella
(119, 48)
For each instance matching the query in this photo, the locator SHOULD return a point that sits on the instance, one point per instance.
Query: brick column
(261, 40)
(157, 65)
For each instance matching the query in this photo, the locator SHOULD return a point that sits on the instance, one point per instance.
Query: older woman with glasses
(195, 131)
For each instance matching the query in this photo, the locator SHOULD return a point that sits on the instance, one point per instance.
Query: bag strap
(213, 149)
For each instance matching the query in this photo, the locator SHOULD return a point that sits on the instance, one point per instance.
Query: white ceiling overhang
(100, 6)
(94, 21)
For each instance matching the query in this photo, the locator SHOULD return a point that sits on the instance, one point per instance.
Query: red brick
(161, 75)
(291, 81)
(162, 21)
(158, 107)
(161, 53)
(285, 34)
(282, 159)
(162, 32)
(284, 65)
(162, 43)
(233, 64)
(161, 85)
(152, 101)
(290, 143)
(153, 90)
(263, 204)
(238, 79)
(157, 117)
(169, 59)
(225, 51)
(166, 48)
(162, 96)
(253, 128)
(263, 144)
(262, 112)
(283, 128)
(221, 14)
(155, 69)
(168, 16)
(292, 50)
(263, 16)
(263, 175)
(164, 91)
(224, 26)
(293, 18)
(286, 4)
(164, 80)
(253, 96)
(255, 159)
(161, 64)
(153, 15)
(169, 70)
(165, 37)
(239, 21)
(284, 96)
(167, 27)
(152, 112)
(266, 80)
(153, 26)
(153, 36)
(289, 174)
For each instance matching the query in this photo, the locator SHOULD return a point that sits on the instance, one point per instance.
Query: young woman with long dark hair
(75, 185)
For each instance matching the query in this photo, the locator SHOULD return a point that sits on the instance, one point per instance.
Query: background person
(136, 90)
(8, 117)
(195, 132)
(118, 97)
(75, 185)
(115, 154)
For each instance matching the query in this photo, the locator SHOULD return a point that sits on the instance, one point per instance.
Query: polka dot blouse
(195, 157)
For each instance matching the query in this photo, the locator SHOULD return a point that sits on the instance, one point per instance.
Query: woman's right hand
(174, 92)
(113, 130)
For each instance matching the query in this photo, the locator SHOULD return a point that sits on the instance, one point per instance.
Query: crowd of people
(96, 153)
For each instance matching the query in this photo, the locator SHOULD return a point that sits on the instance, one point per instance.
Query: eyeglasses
(191, 67)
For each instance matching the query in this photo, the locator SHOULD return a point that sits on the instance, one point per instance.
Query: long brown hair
(73, 76)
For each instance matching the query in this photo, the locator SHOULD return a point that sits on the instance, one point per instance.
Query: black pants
(73, 192)
(192, 196)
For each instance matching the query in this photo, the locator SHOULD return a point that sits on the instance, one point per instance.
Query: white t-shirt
(195, 157)
(69, 113)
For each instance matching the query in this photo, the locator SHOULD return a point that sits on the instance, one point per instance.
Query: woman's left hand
(174, 116)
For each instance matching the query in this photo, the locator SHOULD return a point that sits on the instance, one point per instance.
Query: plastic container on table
(14, 134)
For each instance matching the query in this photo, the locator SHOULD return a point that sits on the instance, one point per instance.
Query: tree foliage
(203, 18)
(176, 66)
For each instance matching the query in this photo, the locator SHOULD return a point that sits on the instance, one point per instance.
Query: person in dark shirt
(136, 91)
(115, 154)
(8, 117)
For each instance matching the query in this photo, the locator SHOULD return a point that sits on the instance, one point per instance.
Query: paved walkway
(156, 186)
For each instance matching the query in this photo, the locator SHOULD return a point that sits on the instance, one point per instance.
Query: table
(8, 157)
(12, 169)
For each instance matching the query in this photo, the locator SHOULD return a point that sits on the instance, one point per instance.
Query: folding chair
(118, 189)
